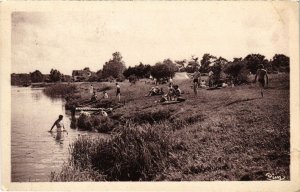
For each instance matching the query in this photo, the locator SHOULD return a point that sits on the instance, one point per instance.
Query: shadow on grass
(241, 100)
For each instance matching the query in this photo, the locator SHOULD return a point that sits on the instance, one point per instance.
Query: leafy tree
(253, 61)
(181, 65)
(55, 75)
(114, 67)
(217, 68)
(36, 76)
(99, 75)
(139, 71)
(132, 78)
(164, 69)
(192, 65)
(206, 61)
(237, 70)
(280, 62)
(129, 71)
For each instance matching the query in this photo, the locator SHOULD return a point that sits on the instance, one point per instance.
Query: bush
(93, 122)
(84, 121)
(134, 153)
(132, 78)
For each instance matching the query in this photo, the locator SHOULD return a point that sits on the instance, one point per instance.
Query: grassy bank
(225, 134)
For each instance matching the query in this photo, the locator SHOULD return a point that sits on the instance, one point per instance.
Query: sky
(68, 40)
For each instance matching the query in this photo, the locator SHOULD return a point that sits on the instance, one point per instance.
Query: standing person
(91, 89)
(210, 78)
(170, 82)
(60, 128)
(118, 93)
(196, 77)
(261, 73)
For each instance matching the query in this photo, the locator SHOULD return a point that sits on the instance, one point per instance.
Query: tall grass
(134, 153)
(59, 90)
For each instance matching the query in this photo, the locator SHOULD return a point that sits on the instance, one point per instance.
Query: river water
(34, 151)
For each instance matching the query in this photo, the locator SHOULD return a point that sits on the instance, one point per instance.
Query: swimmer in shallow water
(59, 127)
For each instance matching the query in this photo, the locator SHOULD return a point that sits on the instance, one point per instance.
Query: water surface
(34, 151)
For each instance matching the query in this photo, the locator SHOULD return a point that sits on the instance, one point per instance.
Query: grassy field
(225, 134)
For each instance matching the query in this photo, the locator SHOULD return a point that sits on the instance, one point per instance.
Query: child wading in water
(60, 128)
(118, 93)
(261, 73)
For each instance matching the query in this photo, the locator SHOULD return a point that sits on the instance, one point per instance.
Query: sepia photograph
(151, 91)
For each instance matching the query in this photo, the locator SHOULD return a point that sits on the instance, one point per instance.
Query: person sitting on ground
(154, 91)
(103, 113)
(171, 94)
(161, 91)
(177, 91)
(261, 73)
(105, 95)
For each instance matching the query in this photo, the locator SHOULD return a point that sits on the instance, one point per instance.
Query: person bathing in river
(261, 73)
(60, 127)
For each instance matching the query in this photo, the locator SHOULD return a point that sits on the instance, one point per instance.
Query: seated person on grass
(177, 91)
(154, 91)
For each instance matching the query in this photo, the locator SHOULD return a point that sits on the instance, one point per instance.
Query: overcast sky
(74, 40)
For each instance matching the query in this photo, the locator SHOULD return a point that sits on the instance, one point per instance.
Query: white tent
(181, 76)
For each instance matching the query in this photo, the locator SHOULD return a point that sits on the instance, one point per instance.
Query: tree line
(237, 69)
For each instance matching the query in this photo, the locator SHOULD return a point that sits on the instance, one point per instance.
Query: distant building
(81, 75)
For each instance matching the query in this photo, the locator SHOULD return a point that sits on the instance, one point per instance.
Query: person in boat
(263, 79)
(60, 127)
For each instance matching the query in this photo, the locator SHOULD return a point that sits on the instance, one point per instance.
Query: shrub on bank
(59, 90)
(134, 153)
(94, 122)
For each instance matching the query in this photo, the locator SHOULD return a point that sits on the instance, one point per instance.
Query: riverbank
(224, 134)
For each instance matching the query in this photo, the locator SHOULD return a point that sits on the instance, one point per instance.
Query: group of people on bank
(173, 94)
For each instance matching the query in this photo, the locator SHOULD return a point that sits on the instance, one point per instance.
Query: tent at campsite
(181, 76)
